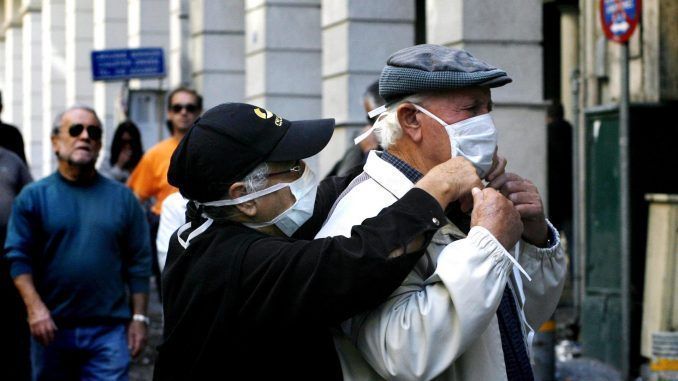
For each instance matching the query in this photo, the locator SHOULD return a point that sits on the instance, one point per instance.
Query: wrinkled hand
(497, 214)
(498, 166)
(137, 334)
(525, 196)
(41, 324)
(450, 180)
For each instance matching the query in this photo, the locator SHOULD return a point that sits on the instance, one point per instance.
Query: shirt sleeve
(138, 249)
(328, 280)
(547, 267)
(21, 241)
(428, 323)
(173, 215)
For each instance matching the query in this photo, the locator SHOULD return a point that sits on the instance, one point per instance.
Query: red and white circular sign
(620, 18)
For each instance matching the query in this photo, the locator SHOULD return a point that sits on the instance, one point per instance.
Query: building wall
(314, 58)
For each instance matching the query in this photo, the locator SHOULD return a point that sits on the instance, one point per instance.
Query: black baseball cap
(230, 140)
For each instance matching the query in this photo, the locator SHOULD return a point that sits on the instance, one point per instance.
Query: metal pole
(624, 219)
(576, 199)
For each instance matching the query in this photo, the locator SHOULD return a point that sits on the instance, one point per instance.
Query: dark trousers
(14, 333)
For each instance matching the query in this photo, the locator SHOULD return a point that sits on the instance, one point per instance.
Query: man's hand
(525, 196)
(40, 323)
(498, 166)
(450, 180)
(497, 214)
(137, 335)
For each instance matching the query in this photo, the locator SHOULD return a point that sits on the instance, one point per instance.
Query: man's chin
(82, 161)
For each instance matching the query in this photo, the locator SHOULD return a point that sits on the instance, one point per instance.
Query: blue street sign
(123, 64)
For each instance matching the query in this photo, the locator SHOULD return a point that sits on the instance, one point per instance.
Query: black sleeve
(331, 279)
(328, 191)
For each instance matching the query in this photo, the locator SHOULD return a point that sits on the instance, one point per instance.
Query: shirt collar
(412, 174)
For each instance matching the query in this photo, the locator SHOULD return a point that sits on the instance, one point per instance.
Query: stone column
(110, 32)
(357, 38)
(53, 73)
(32, 84)
(178, 62)
(148, 26)
(506, 34)
(217, 29)
(79, 44)
(12, 92)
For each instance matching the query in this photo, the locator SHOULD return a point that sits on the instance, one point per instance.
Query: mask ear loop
(377, 111)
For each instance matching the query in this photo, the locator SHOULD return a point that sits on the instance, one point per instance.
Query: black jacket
(239, 304)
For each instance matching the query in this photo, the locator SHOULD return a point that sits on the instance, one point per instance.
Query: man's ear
(248, 208)
(409, 123)
(55, 146)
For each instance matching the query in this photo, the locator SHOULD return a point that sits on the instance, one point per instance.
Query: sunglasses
(176, 108)
(296, 168)
(94, 132)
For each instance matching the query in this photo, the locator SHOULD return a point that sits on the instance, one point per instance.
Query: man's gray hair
(56, 125)
(388, 129)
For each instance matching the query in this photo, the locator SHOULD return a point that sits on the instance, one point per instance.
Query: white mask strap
(425, 111)
(245, 198)
(364, 135)
(377, 111)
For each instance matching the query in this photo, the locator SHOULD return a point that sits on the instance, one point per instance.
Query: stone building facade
(299, 58)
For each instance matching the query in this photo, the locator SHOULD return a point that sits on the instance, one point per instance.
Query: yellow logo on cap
(263, 114)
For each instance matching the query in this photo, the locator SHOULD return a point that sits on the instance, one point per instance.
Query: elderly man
(464, 312)
(79, 254)
(245, 301)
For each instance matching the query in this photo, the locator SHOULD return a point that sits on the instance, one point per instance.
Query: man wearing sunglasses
(148, 181)
(78, 245)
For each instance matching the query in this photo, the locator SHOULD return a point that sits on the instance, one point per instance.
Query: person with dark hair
(356, 155)
(15, 354)
(78, 250)
(126, 151)
(559, 137)
(10, 137)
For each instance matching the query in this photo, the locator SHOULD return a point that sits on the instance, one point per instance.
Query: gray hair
(388, 129)
(56, 125)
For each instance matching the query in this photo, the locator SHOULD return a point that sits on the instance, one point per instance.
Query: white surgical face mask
(474, 139)
(303, 189)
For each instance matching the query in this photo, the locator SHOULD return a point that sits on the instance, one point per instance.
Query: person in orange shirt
(148, 181)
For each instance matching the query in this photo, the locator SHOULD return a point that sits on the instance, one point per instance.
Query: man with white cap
(465, 312)
(243, 300)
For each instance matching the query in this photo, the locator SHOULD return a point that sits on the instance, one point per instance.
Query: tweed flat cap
(429, 67)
